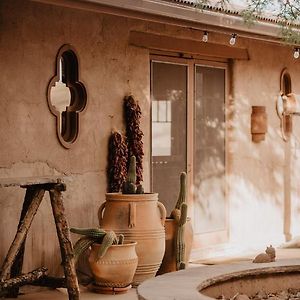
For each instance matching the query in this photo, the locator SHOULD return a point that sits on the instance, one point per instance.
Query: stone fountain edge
(185, 284)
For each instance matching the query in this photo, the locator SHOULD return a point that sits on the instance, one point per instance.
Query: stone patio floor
(60, 294)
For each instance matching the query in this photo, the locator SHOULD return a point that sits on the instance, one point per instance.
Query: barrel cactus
(95, 235)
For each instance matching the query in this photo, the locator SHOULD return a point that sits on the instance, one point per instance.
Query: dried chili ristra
(117, 162)
(134, 135)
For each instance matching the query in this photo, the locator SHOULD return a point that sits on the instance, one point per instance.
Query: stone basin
(204, 283)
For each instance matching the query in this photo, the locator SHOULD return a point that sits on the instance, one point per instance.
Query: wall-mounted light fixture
(205, 37)
(258, 123)
(288, 105)
(296, 53)
(232, 40)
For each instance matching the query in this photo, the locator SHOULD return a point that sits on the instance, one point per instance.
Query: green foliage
(285, 12)
(95, 235)
(203, 3)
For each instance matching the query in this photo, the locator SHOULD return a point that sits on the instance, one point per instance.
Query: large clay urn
(169, 259)
(116, 268)
(141, 218)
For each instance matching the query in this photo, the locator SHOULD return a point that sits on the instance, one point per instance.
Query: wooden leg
(16, 268)
(20, 236)
(66, 246)
(22, 280)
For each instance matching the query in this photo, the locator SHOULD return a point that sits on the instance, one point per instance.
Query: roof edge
(178, 12)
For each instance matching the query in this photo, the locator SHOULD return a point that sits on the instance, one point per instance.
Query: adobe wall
(30, 37)
(263, 176)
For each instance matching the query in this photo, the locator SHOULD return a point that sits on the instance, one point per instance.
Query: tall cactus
(182, 192)
(179, 213)
(179, 240)
(129, 186)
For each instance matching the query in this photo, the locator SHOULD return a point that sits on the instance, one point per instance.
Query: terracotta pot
(116, 268)
(169, 260)
(140, 217)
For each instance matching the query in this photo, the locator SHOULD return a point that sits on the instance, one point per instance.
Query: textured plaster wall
(30, 37)
(261, 177)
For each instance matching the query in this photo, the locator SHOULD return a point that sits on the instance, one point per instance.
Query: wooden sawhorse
(12, 265)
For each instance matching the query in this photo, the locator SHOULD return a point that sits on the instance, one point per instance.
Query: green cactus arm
(90, 232)
(182, 193)
(140, 189)
(109, 239)
(183, 214)
(129, 188)
(81, 246)
(121, 239)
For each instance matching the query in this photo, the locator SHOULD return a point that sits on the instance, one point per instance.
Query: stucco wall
(30, 37)
(261, 176)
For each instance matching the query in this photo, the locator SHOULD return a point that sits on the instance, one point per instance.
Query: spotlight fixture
(205, 37)
(296, 53)
(233, 39)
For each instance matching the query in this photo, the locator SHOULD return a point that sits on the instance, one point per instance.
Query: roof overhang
(176, 14)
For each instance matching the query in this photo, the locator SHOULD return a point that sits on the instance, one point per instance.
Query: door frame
(205, 241)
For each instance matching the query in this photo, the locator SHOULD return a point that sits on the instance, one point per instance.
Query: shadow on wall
(256, 183)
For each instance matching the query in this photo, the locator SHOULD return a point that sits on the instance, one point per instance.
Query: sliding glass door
(169, 142)
(188, 134)
(209, 150)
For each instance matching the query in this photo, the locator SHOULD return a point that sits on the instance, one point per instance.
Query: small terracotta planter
(115, 270)
(169, 260)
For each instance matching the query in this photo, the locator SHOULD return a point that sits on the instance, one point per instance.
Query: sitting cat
(266, 257)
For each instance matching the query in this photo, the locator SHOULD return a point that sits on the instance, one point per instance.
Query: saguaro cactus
(182, 192)
(179, 240)
(179, 213)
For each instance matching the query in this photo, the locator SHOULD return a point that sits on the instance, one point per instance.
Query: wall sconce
(258, 123)
(287, 105)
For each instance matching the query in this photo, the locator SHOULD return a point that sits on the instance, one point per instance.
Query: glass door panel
(210, 210)
(169, 136)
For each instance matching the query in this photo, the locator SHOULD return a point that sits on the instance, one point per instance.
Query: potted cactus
(179, 234)
(112, 262)
(128, 210)
(139, 216)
